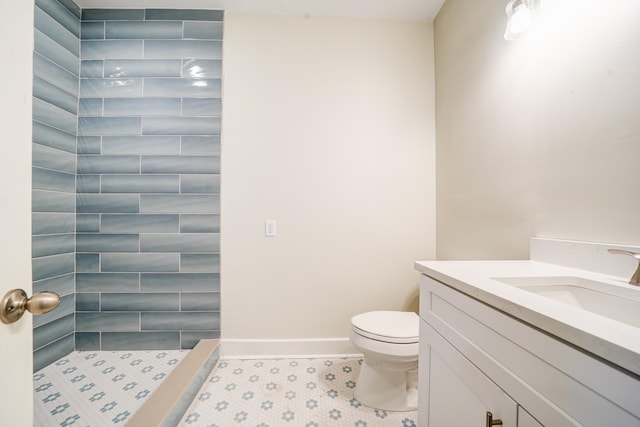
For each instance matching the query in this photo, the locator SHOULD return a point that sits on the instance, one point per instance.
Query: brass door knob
(15, 302)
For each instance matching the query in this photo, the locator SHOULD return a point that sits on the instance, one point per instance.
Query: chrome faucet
(635, 279)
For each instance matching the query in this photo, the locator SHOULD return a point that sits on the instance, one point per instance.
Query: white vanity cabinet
(459, 393)
(475, 359)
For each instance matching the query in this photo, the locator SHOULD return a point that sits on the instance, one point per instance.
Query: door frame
(16, 355)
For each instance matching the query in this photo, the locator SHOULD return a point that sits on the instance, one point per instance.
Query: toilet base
(392, 388)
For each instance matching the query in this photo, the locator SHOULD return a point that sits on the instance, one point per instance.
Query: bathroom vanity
(528, 344)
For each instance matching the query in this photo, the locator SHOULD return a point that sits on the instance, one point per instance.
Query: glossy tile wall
(148, 179)
(56, 68)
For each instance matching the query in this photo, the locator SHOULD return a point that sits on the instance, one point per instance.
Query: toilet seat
(395, 327)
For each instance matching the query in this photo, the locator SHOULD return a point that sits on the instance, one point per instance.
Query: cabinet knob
(491, 421)
(15, 303)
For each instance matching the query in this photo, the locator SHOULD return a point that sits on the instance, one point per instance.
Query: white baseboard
(287, 348)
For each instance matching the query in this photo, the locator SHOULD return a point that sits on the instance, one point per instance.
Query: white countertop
(609, 339)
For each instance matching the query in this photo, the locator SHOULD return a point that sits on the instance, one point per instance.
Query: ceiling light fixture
(519, 17)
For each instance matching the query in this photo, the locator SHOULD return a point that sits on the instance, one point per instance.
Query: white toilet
(388, 378)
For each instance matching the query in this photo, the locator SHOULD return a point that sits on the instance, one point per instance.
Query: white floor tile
(286, 392)
(99, 388)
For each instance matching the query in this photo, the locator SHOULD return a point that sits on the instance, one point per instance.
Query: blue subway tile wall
(135, 68)
(61, 327)
(126, 177)
(56, 67)
(148, 178)
(54, 351)
(68, 16)
(50, 27)
(54, 116)
(184, 15)
(115, 341)
(51, 201)
(57, 54)
(66, 306)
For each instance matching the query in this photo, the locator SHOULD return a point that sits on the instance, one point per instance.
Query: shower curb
(167, 405)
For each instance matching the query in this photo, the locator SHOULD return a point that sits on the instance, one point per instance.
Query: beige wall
(328, 129)
(539, 136)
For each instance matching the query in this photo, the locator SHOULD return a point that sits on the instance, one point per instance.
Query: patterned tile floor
(286, 392)
(99, 388)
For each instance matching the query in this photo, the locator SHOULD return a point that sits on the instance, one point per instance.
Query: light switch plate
(270, 228)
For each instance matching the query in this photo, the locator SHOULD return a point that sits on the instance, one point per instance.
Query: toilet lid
(388, 326)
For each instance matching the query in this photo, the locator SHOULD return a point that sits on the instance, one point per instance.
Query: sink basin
(615, 302)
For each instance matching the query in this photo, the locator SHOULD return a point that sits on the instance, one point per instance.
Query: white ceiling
(405, 10)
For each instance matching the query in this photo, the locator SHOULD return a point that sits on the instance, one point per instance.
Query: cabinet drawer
(552, 380)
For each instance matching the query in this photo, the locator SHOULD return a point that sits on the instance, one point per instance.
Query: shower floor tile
(99, 388)
(287, 392)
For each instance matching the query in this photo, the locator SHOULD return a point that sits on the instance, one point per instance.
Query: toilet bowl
(388, 377)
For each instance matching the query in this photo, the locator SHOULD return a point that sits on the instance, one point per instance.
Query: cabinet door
(458, 394)
(526, 420)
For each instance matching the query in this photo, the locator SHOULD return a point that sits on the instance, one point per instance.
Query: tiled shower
(126, 177)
